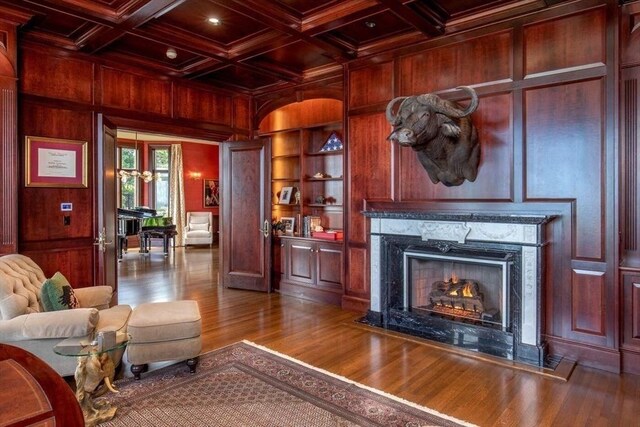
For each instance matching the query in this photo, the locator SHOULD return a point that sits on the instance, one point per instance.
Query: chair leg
(192, 363)
(136, 370)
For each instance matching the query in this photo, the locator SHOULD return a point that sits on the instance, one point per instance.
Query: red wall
(203, 159)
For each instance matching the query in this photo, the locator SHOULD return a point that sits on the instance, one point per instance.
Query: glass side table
(95, 364)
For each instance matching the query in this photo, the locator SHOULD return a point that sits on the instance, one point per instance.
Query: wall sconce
(196, 175)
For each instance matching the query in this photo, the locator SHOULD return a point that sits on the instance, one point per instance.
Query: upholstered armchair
(198, 230)
(25, 324)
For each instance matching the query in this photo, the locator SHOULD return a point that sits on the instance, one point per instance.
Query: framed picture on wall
(211, 193)
(53, 162)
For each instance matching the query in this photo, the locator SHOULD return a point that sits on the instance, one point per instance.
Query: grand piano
(131, 222)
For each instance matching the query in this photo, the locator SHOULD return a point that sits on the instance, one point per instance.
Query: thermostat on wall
(66, 207)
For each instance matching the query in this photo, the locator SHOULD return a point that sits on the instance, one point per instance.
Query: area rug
(248, 385)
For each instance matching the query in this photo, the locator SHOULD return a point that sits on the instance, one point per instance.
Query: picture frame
(289, 224)
(285, 195)
(56, 163)
(210, 193)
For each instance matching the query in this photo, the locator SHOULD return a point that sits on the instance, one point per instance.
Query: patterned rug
(248, 385)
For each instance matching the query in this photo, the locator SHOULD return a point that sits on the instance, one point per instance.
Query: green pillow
(57, 294)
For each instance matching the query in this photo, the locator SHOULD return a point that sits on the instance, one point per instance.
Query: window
(160, 186)
(128, 185)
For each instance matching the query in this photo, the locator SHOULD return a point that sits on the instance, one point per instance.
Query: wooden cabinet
(630, 344)
(312, 269)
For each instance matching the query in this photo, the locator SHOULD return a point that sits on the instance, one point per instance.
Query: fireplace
(470, 281)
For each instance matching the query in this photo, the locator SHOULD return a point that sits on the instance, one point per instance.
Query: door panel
(246, 258)
(106, 225)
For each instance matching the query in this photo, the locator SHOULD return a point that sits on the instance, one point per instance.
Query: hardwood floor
(469, 388)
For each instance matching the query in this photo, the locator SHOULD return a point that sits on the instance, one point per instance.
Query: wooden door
(106, 226)
(245, 222)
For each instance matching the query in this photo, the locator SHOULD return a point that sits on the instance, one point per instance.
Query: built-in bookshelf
(312, 179)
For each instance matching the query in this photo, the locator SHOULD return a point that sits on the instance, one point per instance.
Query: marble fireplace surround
(520, 237)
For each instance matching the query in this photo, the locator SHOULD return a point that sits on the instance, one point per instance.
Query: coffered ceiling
(258, 46)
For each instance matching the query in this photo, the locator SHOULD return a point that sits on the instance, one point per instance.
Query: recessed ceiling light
(370, 24)
(214, 21)
(171, 53)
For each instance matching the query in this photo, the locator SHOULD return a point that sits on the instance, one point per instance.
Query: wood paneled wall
(547, 128)
(61, 95)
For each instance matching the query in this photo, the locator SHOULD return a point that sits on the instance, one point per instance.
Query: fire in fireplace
(457, 298)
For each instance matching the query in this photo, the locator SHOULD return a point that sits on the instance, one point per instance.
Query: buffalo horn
(444, 108)
(390, 117)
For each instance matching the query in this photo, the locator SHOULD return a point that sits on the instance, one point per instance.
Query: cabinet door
(631, 312)
(300, 259)
(329, 262)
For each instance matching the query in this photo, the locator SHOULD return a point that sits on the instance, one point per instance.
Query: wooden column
(8, 139)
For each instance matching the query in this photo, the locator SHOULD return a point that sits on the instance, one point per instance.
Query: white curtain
(176, 190)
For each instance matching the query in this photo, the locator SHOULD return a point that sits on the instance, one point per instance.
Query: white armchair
(198, 230)
(25, 324)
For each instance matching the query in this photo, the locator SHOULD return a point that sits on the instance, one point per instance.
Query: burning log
(457, 294)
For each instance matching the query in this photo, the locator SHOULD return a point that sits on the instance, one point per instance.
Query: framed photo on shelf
(211, 193)
(285, 195)
(289, 224)
(53, 162)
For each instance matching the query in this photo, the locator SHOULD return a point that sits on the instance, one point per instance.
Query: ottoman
(160, 331)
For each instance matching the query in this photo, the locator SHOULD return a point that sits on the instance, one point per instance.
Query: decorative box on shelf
(329, 235)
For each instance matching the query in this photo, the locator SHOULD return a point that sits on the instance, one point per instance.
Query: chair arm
(94, 296)
(51, 324)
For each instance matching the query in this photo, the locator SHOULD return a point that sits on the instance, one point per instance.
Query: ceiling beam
(291, 27)
(426, 27)
(152, 9)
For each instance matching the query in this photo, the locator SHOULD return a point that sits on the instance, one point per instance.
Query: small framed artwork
(285, 195)
(289, 224)
(211, 193)
(52, 162)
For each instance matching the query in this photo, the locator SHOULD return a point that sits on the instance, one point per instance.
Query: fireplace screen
(471, 290)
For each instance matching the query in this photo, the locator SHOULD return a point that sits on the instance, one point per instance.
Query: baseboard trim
(355, 304)
(585, 355)
(630, 362)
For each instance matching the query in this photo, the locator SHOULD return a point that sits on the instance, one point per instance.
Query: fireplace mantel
(522, 233)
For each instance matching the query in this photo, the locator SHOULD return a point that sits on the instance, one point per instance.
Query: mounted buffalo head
(440, 132)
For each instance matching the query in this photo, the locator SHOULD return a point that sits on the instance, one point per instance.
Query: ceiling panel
(299, 56)
(152, 51)
(60, 24)
(304, 7)
(192, 16)
(372, 28)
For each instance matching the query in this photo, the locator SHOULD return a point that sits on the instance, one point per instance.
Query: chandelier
(146, 176)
